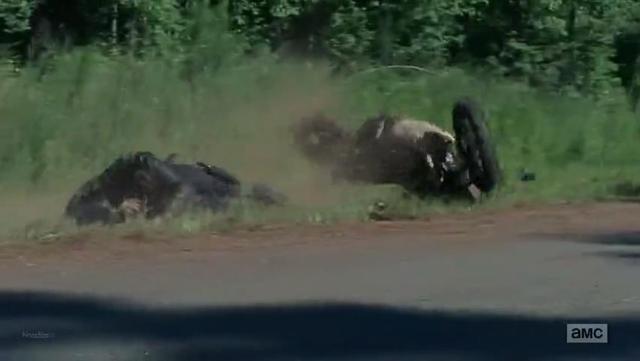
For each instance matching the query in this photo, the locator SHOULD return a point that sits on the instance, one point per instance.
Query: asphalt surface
(501, 286)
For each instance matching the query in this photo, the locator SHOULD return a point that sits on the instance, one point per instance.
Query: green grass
(63, 126)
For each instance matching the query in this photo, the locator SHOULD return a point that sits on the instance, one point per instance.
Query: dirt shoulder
(450, 230)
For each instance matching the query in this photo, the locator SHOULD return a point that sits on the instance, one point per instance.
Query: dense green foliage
(584, 46)
(569, 45)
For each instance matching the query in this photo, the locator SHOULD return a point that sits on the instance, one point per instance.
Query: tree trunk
(114, 27)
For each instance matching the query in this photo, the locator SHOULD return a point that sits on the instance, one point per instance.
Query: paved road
(498, 286)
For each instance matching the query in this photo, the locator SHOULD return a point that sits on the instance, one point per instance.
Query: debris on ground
(527, 175)
(377, 212)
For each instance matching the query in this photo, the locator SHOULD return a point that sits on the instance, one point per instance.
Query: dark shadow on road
(616, 245)
(298, 332)
(615, 239)
(625, 244)
(626, 238)
(628, 256)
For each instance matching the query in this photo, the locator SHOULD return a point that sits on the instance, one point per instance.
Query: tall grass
(61, 124)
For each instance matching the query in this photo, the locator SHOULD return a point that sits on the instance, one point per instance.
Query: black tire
(474, 145)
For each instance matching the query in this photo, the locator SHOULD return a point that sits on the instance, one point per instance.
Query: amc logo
(587, 333)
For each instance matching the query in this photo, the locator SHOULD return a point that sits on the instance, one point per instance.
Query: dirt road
(501, 285)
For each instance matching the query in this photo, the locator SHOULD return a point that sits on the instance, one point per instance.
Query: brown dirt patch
(462, 229)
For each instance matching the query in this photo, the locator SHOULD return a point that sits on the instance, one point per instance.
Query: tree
(14, 21)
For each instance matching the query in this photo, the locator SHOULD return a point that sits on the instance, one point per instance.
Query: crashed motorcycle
(417, 155)
(140, 184)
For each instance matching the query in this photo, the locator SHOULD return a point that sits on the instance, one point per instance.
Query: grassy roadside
(60, 127)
